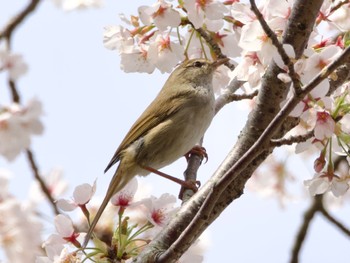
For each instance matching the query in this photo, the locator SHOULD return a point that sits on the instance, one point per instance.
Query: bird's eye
(198, 64)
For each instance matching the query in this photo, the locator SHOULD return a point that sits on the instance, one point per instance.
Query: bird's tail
(118, 181)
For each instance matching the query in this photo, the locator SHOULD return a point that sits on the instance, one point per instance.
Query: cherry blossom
(325, 125)
(208, 12)
(164, 53)
(70, 5)
(20, 236)
(117, 37)
(13, 63)
(160, 209)
(17, 125)
(81, 196)
(161, 14)
(65, 232)
(137, 61)
(324, 182)
(125, 196)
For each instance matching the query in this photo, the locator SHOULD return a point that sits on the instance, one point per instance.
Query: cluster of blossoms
(17, 123)
(138, 221)
(166, 33)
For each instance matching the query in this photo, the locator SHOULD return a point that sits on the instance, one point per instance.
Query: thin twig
(331, 219)
(337, 6)
(17, 19)
(7, 34)
(37, 176)
(301, 235)
(291, 140)
(237, 97)
(15, 95)
(278, 45)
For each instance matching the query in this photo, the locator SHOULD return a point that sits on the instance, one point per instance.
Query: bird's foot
(198, 150)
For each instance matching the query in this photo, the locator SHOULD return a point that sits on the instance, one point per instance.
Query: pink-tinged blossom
(65, 229)
(221, 79)
(117, 37)
(340, 18)
(70, 5)
(137, 61)
(327, 182)
(160, 210)
(254, 39)
(208, 12)
(19, 230)
(53, 247)
(228, 43)
(17, 125)
(242, 13)
(125, 196)
(249, 69)
(161, 14)
(315, 64)
(13, 63)
(164, 53)
(81, 196)
(277, 11)
(325, 125)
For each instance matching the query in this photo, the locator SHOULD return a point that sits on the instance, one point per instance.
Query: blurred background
(90, 104)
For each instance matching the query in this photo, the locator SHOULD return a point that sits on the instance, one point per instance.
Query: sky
(90, 104)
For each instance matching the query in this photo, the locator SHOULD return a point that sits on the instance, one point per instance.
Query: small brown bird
(171, 125)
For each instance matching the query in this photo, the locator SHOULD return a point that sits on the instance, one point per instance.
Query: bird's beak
(219, 62)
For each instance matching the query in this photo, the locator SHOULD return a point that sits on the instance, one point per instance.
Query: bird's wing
(151, 117)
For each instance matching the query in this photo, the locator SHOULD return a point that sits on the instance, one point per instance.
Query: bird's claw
(198, 150)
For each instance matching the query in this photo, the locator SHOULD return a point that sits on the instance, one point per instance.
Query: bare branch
(337, 6)
(300, 237)
(335, 222)
(291, 140)
(224, 98)
(15, 96)
(18, 19)
(249, 96)
(42, 184)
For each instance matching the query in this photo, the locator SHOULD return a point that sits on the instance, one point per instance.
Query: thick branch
(256, 149)
(183, 230)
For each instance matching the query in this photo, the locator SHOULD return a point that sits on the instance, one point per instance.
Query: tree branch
(7, 34)
(18, 19)
(42, 184)
(334, 221)
(278, 45)
(301, 235)
(177, 236)
(291, 140)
